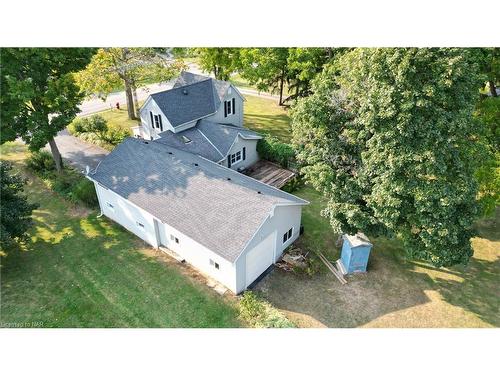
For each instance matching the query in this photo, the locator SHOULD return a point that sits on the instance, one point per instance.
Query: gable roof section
(199, 144)
(188, 78)
(223, 136)
(187, 103)
(208, 139)
(217, 207)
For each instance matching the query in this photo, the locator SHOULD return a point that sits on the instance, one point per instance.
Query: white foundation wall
(126, 214)
(199, 256)
(284, 218)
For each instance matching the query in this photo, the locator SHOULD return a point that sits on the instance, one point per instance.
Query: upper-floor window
(156, 121)
(229, 107)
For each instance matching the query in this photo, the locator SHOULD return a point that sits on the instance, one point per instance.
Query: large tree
(267, 68)
(388, 137)
(16, 210)
(221, 62)
(128, 67)
(39, 95)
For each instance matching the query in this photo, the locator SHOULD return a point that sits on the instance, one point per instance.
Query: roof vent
(229, 178)
(185, 139)
(170, 153)
(259, 192)
(146, 142)
(185, 92)
(195, 164)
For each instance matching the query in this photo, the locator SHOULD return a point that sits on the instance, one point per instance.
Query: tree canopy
(39, 94)
(389, 138)
(111, 68)
(221, 62)
(16, 210)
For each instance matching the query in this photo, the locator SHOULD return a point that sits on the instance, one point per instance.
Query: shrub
(63, 182)
(95, 124)
(84, 191)
(272, 149)
(41, 162)
(77, 127)
(261, 314)
(116, 135)
(294, 184)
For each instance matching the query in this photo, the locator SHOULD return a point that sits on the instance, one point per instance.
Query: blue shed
(355, 252)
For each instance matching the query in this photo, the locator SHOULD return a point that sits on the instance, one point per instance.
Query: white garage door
(259, 258)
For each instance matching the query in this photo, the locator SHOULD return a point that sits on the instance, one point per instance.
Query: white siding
(250, 150)
(284, 218)
(237, 118)
(127, 214)
(148, 131)
(199, 256)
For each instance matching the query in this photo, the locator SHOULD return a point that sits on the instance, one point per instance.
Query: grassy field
(396, 292)
(78, 270)
(266, 116)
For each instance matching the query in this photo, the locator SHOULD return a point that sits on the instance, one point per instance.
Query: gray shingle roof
(198, 200)
(208, 139)
(223, 136)
(199, 144)
(187, 103)
(188, 78)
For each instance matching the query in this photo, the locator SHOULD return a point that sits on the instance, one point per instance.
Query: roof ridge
(209, 141)
(180, 87)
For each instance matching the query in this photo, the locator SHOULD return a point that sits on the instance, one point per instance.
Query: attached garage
(260, 258)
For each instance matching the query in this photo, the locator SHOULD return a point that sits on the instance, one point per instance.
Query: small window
(214, 263)
(173, 238)
(157, 122)
(236, 157)
(287, 235)
(176, 240)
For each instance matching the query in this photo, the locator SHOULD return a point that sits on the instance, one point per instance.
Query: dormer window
(156, 122)
(229, 107)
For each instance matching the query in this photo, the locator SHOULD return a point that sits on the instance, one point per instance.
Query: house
(203, 116)
(227, 225)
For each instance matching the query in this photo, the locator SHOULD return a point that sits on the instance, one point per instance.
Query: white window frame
(230, 109)
(236, 157)
(156, 119)
(287, 235)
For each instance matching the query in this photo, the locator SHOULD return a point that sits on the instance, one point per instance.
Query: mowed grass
(78, 270)
(264, 115)
(396, 292)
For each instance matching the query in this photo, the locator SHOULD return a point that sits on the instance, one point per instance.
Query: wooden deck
(270, 173)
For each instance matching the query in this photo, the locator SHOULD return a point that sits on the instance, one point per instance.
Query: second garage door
(259, 258)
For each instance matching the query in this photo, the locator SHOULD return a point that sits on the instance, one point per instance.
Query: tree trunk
(136, 102)
(56, 155)
(493, 89)
(130, 100)
(281, 89)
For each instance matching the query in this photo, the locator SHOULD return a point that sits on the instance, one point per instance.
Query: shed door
(259, 258)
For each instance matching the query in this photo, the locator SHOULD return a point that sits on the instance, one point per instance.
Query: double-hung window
(156, 122)
(236, 157)
(229, 107)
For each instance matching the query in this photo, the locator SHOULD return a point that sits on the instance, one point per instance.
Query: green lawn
(118, 118)
(266, 116)
(396, 292)
(78, 270)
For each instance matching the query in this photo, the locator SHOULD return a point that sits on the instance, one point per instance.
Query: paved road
(77, 152)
